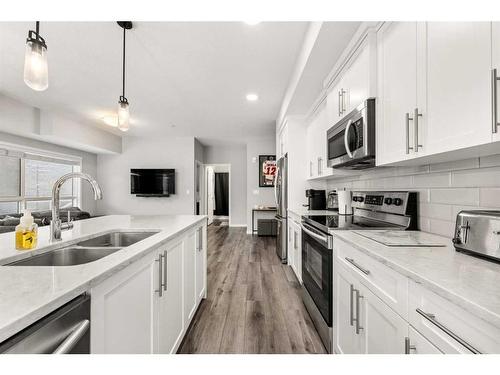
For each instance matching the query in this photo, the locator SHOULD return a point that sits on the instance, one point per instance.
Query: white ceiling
(193, 76)
(183, 78)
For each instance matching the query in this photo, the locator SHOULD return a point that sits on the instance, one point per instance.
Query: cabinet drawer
(449, 327)
(387, 284)
(418, 344)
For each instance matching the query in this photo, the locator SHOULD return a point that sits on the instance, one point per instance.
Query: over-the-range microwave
(351, 141)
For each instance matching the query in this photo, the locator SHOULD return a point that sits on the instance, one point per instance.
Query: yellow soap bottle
(26, 232)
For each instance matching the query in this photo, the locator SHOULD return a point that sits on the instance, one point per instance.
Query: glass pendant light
(36, 74)
(123, 106)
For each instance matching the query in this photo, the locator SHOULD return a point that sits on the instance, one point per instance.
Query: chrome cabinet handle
(70, 341)
(295, 242)
(346, 138)
(339, 104)
(432, 319)
(200, 239)
(351, 303)
(416, 115)
(362, 269)
(160, 273)
(343, 101)
(494, 109)
(408, 346)
(358, 297)
(319, 166)
(407, 121)
(165, 273)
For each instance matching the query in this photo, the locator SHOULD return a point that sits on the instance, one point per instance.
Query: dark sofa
(8, 222)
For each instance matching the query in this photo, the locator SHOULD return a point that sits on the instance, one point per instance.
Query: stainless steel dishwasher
(65, 330)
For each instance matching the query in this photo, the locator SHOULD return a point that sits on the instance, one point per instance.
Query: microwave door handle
(346, 139)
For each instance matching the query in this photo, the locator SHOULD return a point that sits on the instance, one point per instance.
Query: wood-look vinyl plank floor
(253, 301)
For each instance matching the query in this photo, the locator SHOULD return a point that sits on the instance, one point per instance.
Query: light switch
(187, 192)
(256, 192)
(254, 160)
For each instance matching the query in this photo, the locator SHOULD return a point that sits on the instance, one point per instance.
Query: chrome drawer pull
(494, 116)
(160, 273)
(353, 262)
(358, 297)
(432, 318)
(351, 300)
(408, 346)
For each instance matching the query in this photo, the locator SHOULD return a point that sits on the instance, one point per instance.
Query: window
(26, 180)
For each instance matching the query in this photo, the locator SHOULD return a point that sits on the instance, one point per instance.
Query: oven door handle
(324, 239)
(346, 139)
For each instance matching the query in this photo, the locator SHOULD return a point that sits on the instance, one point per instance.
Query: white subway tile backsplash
(482, 177)
(455, 196)
(489, 197)
(436, 211)
(444, 189)
(431, 180)
(455, 165)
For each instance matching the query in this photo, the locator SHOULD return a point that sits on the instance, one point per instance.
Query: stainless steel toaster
(478, 233)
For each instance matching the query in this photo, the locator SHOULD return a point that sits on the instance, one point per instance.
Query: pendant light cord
(123, 93)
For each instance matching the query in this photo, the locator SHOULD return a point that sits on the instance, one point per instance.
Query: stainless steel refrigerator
(280, 194)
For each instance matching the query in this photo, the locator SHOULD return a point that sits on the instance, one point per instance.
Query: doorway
(218, 194)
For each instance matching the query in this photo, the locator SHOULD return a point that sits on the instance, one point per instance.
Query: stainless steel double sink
(85, 251)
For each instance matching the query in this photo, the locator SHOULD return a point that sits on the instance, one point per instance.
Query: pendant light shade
(123, 114)
(36, 73)
(123, 106)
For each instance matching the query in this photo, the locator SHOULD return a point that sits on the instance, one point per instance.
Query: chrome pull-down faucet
(56, 225)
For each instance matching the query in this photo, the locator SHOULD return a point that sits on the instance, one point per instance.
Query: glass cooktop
(326, 222)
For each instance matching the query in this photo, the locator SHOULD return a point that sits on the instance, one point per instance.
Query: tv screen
(157, 182)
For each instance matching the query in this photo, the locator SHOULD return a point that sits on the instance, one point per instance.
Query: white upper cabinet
(316, 145)
(434, 88)
(397, 89)
(458, 85)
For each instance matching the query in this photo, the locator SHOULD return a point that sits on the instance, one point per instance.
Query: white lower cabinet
(170, 309)
(364, 323)
(295, 247)
(418, 344)
(148, 306)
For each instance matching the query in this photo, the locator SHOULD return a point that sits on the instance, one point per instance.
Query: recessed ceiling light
(252, 23)
(252, 97)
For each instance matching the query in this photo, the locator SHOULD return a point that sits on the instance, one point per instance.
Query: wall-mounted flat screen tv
(152, 182)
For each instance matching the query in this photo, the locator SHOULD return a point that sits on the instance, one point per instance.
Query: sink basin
(67, 256)
(116, 239)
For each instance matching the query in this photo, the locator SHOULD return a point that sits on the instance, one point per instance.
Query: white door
(297, 250)
(345, 338)
(382, 330)
(210, 194)
(458, 86)
(495, 64)
(201, 261)
(418, 344)
(397, 89)
(123, 310)
(189, 269)
(170, 309)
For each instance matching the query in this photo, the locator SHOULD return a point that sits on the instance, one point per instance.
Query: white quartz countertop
(467, 281)
(27, 293)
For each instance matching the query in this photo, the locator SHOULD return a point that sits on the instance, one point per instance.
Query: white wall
(89, 163)
(258, 195)
(235, 155)
(444, 189)
(163, 152)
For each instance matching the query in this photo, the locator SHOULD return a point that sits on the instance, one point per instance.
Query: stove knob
(356, 199)
(361, 199)
(398, 201)
(388, 201)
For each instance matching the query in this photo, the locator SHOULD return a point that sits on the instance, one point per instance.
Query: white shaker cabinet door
(201, 261)
(190, 300)
(397, 90)
(458, 64)
(123, 310)
(170, 311)
(382, 330)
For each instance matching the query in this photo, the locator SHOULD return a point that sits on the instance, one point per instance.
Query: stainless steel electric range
(395, 210)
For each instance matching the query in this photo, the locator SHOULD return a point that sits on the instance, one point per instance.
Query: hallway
(253, 303)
